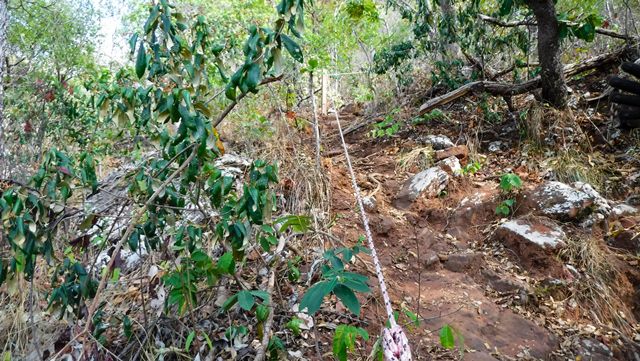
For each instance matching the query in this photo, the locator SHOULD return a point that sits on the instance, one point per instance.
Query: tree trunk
(4, 24)
(554, 90)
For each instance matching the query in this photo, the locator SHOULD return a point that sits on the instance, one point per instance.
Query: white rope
(395, 344)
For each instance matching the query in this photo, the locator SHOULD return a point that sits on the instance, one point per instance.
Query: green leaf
(226, 264)
(141, 61)
(293, 48)
(314, 297)
(348, 298)
(254, 76)
(246, 300)
(446, 337)
(262, 312)
(190, 337)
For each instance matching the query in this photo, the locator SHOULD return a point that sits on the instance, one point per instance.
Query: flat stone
(429, 182)
(592, 349)
(451, 165)
(600, 204)
(561, 201)
(459, 151)
(535, 233)
(623, 210)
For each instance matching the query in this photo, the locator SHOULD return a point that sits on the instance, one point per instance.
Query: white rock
(439, 141)
(429, 182)
(559, 200)
(542, 236)
(370, 204)
(601, 204)
(495, 147)
(624, 210)
(451, 165)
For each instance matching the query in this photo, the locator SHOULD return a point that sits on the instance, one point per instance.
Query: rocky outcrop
(429, 182)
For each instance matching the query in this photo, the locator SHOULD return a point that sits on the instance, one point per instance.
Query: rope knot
(395, 344)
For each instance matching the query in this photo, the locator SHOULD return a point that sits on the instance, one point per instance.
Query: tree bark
(4, 24)
(554, 90)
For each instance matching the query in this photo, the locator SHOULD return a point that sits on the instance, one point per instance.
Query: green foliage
(388, 127)
(72, 285)
(509, 182)
(294, 325)
(448, 338)
(344, 340)
(427, 118)
(336, 280)
(472, 168)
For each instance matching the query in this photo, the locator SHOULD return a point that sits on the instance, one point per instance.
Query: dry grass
(417, 158)
(573, 165)
(598, 291)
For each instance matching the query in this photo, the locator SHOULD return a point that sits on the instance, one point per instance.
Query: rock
(501, 284)
(430, 182)
(385, 225)
(592, 349)
(533, 242)
(232, 165)
(623, 210)
(495, 147)
(539, 234)
(560, 201)
(459, 151)
(431, 259)
(438, 142)
(370, 204)
(463, 262)
(600, 204)
(451, 165)
(625, 234)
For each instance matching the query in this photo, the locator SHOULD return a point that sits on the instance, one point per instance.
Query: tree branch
(233, 104)
(526, 22)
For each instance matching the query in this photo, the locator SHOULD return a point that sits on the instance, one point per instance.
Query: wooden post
(325, 89)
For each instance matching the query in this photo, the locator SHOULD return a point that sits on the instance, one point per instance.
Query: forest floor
(443, 262)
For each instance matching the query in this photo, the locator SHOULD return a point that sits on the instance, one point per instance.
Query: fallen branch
(506, 89)
(527, 22)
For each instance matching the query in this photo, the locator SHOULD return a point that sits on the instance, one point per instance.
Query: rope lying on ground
(395, 344)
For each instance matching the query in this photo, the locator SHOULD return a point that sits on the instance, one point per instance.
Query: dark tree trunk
(554, 90)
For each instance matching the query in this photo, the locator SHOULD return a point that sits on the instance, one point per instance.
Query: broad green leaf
(190, 337)
(293, 48)
(246, 300)
(348, 298)
(446, 337)
(315, 295)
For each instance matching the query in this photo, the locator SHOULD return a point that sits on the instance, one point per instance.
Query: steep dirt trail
(432, 257)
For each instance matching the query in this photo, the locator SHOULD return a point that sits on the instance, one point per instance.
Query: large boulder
(429, 182)
(560, 201)
(534, 243)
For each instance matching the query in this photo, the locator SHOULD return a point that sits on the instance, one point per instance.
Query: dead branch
(526, 22)
(505, 89)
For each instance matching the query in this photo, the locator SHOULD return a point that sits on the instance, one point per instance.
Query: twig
(316, 129)
(233, 104)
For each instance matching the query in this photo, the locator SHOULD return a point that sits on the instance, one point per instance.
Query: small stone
(370, 204)
(451, 165)
(623, 210)
(431, 259)
(460, 151)
(463, 262)
(495, 147)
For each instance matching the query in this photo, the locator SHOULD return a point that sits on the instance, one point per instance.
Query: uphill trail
(437, 255)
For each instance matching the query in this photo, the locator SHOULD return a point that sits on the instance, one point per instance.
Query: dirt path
(434, 258)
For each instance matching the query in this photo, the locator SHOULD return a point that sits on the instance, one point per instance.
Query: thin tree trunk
(554, 90)
(4, 24)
